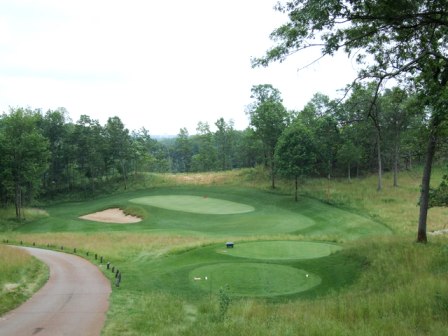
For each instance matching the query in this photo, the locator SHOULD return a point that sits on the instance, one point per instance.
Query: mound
(115, 215)
(253, 279)
(194, 204)
(276, 250)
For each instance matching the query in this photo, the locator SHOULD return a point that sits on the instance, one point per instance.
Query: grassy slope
(20, 276)
(402, 289)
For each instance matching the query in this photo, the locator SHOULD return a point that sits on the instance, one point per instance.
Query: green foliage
(224, 302)
(24, 152)
(439, 196)
(296, 152)
(269, 118)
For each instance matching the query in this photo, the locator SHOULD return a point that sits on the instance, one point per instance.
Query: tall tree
(318, 116)
(183, 151)
(269, 118)
(205, 158)
(55, 129)
(224, 139)
(24, 155)
(118, 145)
(296, 153)
(88, 139)
(405, 39)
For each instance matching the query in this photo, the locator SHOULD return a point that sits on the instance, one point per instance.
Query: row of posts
(114, 270)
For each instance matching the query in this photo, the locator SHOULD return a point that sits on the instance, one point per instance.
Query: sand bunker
(115, 215)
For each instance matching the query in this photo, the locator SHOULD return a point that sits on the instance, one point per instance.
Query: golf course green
(282, 250)
(254, 279)
(194, 204)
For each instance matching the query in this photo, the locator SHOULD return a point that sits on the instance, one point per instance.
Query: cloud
(162, 65)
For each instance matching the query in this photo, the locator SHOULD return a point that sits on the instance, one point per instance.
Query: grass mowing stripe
(194, 204)
(253, 279)
(274, 250)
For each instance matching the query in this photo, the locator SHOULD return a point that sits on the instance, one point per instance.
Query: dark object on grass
(118, 279)
(229, 244)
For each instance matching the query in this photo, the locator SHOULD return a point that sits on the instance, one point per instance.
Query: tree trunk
(18, 201)
(273, 171)
(348, 172)
(125, 176)
(380, 168)
(295, 195)
(424, 194)
(396, 155)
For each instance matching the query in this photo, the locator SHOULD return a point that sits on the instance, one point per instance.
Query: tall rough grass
(397, 207)
(20, 276)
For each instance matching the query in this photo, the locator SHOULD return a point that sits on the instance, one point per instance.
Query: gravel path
(74, 301)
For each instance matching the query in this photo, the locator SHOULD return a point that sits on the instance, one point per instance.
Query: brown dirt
(114, 215)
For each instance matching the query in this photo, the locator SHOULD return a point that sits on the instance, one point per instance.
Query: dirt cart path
(74, 301)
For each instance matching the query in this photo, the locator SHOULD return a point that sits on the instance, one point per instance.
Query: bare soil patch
(114, 215)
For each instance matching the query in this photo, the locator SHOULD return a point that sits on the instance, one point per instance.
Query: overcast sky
(162, 65)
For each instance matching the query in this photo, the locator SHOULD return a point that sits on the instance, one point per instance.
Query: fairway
(264, 263)
(194, 204)
(253, 279)
(276, 250)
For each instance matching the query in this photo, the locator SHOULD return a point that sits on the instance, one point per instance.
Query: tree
(205, 159)
(90, 151)
(295, 153)
(368, 107)
(24, 152)
(269, 118)
(318, 116)
(118, 145)
(248, 148)
(56, 130)
(406, 40)
(399, 109)
(224, 139)
(439, 196)
(182, 151)
(348, 154)
(149, 154)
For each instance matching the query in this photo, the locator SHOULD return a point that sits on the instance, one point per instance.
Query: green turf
(281, 250)
(194, 204)
(272, 214)
(253, 279)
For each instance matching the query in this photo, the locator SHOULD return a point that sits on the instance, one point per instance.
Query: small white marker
(307, 275)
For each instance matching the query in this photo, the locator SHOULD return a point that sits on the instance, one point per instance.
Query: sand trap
(115, 215)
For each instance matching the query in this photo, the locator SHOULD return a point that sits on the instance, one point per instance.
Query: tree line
(46, 154)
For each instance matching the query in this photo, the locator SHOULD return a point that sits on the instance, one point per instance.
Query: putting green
(194, 204)
(276, 250)
(253, 279)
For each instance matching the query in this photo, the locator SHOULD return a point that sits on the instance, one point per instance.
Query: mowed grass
(378, 284)
(194, 204)
(283, 250)
(20, 276)
(272, 214)
(253, 279)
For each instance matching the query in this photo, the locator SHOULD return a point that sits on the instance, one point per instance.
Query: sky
(161, 65)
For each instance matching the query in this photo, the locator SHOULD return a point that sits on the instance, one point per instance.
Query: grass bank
(21, 275)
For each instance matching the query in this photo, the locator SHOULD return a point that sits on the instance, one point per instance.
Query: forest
(45, 154)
